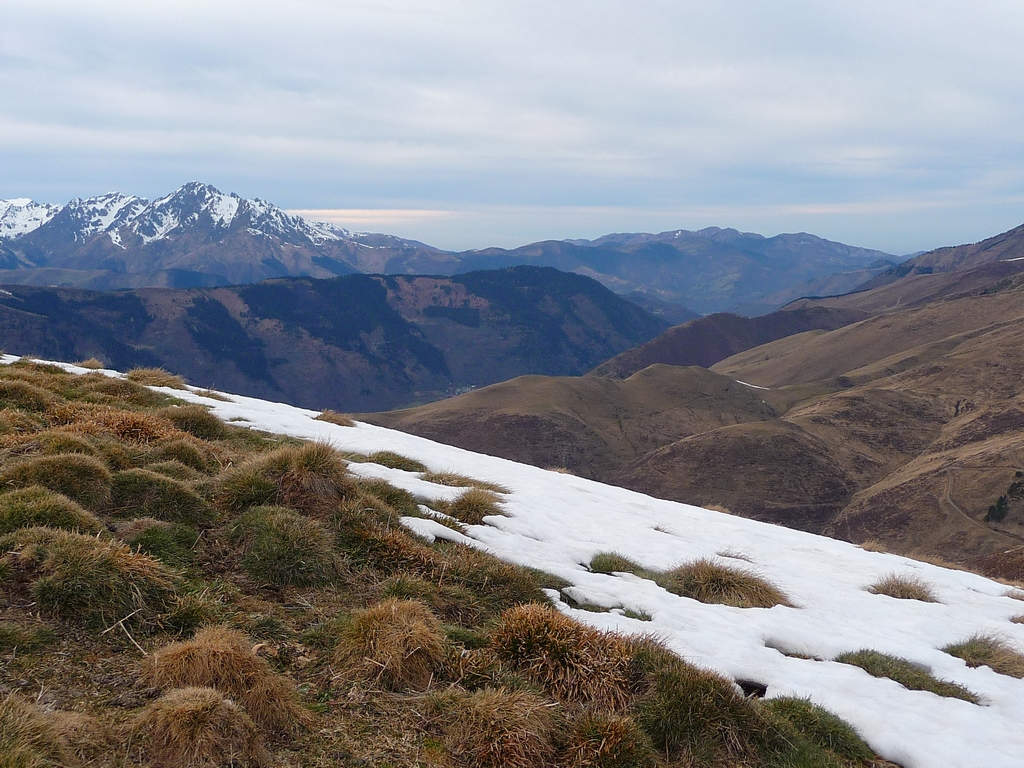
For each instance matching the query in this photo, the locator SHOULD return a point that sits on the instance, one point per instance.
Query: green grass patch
(396, 461)
(38, 506)
(989, 651)
(143, 493)
(84, 479)
(906, 673)
(283, 548)
(473, 505)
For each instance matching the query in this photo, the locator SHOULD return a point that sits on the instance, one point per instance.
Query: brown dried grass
(903, 587)
(711, 582)
(222, 658)
(455, 480)
(198, 728)
(603, 740)
(499, 728)
(989, 651)
(84, 479)
(576, 664)
(29, 739)
(398, 645)
(333, 417)
(155, 377)
(473, 505)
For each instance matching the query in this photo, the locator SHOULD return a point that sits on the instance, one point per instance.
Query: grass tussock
(194, 454)
(498, 728)
(903, 587)
(23, 396)
(50, 442)
(155, 377)
(333, 417)
(283, 548)
(396, 461)
(397, 645)
(989, 651)
(131, 427)
(84, 479)
(451, 602)
(906, 673)
(473, 505)
(143, 493)
(170, 543)
(29, 738)
(196, 420)
(603, 740)
(86, 578)
(91, 363)
(455, 480)
(222, 658)
(198, 727)
(710, 582)
(308, 477)
(15, 637)
(38, 506)
(821, 727)
(611, 562)
(572, 662)
(120, 391)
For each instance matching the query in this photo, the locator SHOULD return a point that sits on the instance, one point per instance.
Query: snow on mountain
(558, 522)
(21, 215)
(185, 207)
(82, 218)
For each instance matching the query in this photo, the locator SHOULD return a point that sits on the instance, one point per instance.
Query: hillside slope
(350, 343)
(559, 524)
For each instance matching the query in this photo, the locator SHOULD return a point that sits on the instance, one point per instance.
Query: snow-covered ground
(558, 522)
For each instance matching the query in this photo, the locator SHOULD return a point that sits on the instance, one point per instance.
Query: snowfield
(557, 522)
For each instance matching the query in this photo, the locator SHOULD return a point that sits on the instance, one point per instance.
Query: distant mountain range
(356, 342)
(198, 236)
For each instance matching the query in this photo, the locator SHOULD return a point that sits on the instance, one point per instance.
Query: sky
(890, 124)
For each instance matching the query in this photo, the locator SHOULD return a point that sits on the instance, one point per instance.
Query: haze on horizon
(890, 125)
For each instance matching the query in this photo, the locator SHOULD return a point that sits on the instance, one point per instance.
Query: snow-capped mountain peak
(82, 218)
(21, 215)
(188, 205)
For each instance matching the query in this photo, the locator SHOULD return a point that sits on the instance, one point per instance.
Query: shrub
(222, 658)
(820, 727)
(473, 505)
(82, 577)
(333, 417)
(601, 740)
(989, 651)
(81, 478)
(155, 377)
(189, 452)
(196, 420)
(28, 738)
(455, 480)
(610, 562)
(572, 662)
(904, 587)
(142, 493)
(904, 672)
(37, 506)
(396, 461)
(697, 714)
(310, 477)
(197, 727)
(709, 582)
(397, 644)
(286, 549)
(499, 728)
(24, 396)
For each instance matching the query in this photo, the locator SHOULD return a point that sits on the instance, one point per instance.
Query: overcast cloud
(895, 124)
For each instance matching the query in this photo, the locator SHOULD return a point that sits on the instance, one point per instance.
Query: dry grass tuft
(455, 480)
(196, 420)
(333, 417)
(198, 728)
(473, 505)
(904, 587)
(142, 493)
(86, 737)
(24, 396)
(398, 645)
(37, 506)
(286, 549)
(222, 658)
(904, 672)
(310, 477)
(612, 562)
(873, 545)
(396, 461)
(84, 479)
(189, 451)
(121, 390)
(710, 582)
(86, 578)
(92, 363)
(155, 377)
(29, 738)
(49, 442)
(989, 651)
(1018, 619)
(499, 728)
(602, 740)
(573, 662)
(718, 508)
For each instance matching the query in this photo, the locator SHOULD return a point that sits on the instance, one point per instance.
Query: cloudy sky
(894, 124)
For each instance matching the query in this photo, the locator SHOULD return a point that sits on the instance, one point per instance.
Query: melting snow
(558, 522)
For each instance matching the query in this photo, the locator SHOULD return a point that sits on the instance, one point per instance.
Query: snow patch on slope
(21, 215)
